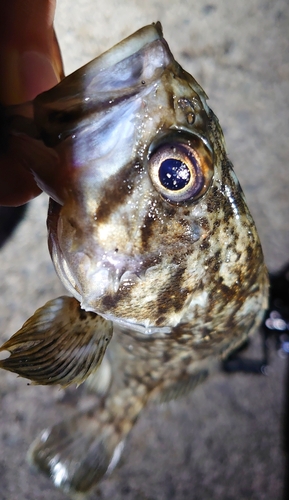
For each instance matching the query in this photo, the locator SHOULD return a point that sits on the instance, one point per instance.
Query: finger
(30, 63)
(30, 60)
(17, 185)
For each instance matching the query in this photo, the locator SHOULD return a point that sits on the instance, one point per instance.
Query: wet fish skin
(179, 272)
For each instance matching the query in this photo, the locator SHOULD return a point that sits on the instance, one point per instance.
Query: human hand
(30, 63)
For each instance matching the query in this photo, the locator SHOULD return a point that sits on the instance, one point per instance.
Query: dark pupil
(174, 174)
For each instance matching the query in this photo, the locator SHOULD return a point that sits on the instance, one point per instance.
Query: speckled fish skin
(194, 268)
(180, 276)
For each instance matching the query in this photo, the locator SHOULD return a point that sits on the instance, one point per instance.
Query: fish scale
(167, 277)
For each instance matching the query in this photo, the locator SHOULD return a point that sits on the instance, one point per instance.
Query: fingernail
(23, 76)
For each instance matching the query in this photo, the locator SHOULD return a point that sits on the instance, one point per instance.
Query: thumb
(30, 60)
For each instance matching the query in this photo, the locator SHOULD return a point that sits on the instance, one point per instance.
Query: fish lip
(130, 45)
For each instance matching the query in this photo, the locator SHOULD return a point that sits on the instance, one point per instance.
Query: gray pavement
(223, 441)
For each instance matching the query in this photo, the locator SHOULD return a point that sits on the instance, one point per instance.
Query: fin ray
(77, 453)
(60, 344)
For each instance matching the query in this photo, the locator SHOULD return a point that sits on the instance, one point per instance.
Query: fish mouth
(110, 78)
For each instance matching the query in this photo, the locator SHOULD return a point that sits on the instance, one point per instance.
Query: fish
(150, 233)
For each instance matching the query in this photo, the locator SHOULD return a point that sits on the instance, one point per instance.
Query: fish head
(148, 225)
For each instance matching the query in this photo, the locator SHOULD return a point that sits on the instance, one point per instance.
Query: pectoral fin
(60, 344)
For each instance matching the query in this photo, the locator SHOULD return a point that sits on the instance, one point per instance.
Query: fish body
(150, 233)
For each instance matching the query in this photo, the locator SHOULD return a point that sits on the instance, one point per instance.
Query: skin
(30, 63)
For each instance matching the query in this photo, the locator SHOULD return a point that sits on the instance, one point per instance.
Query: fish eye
(181, 167)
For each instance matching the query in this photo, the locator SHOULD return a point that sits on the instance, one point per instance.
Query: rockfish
(150, 233)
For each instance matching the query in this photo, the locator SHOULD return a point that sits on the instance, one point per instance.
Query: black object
(9, 220)
(276, 326)
(277, 323)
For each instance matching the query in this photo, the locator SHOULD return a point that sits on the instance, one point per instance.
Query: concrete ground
(223, 441)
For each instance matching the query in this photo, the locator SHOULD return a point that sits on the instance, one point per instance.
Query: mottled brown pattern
(114, 195)
(183, 282)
